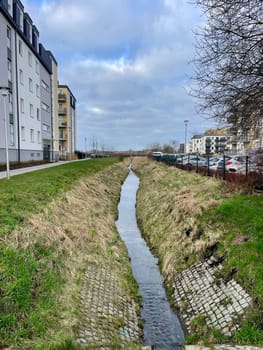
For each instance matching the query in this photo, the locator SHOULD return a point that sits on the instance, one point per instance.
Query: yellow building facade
(66, 123)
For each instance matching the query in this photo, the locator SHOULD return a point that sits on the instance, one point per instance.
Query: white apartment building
(210, 143)
(29, 102)
(26, 69)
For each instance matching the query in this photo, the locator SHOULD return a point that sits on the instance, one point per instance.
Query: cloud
(127, 63)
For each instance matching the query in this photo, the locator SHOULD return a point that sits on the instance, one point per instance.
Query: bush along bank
(209, 244)
(65, 273)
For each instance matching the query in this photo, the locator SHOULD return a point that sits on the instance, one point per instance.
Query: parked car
(157, 155)
(213, 162)
(169, 158)
(233, 164)
(194, 161)
(154, 154)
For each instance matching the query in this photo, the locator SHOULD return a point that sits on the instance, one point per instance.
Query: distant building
(195, 145)
(244, 142)
(211, 142)
(181, 148)
(67, 122)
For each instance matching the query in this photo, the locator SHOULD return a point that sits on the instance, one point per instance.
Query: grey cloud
(127, 62)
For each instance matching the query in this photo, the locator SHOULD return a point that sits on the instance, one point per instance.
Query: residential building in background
(29, 72)
(228, 141)
(245, 142)
(211, 142)
(67, 122)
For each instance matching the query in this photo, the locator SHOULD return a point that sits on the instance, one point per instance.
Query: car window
(240, 159)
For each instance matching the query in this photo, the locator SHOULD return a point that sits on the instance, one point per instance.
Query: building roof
(66, 87)
(40, 51)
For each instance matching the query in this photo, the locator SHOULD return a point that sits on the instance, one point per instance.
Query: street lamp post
(4, 93)
(185, 134)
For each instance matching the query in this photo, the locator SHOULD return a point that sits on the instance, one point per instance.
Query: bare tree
(166, 147)
(229, 61)
(154, 147)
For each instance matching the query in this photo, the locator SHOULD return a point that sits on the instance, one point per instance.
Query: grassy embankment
(52, 222)
(184, 215)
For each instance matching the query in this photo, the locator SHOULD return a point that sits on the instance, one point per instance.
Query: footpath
(14, 172)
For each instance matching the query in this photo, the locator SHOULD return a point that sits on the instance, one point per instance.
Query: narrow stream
(162, 328)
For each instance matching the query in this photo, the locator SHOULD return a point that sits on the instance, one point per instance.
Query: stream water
(162, 329)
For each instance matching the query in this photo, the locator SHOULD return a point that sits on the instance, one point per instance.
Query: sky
(128, 63)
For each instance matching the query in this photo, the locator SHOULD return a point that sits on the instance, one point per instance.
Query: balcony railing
(62, 124)
(62, 97)
(63, 137)
(62, 110)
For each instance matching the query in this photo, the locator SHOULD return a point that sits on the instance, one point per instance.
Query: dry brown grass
(169, 203)
(83, 216)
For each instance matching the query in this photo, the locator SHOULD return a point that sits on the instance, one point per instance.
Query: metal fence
(247, 170)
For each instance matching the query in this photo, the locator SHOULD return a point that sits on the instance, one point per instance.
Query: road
(36, 167)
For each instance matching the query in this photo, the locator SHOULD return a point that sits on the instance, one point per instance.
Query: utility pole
(185, 134)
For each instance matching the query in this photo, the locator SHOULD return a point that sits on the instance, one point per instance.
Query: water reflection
(162, 328)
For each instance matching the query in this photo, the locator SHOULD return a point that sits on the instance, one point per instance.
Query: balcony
(62, 124)
(63, 137)
(62, 111)
(62, 97)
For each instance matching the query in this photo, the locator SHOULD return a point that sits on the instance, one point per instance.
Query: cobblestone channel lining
(197, 291)
(108, 317)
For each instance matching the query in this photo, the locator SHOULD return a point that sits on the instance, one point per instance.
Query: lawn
(33, 269)
(28, 193)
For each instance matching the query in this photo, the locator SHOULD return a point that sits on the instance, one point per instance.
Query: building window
(23, 134)
(39, 137)
(45, 127)
(45, 107)
(32, 135)
(37, 90)
(9, 67)
(31, 111)
(20, 18)
(8, 33)
(37, 67)
(38, 114)
(10, 100)
(20, 48)
(21, 76)
(30, 58)
(44, 85)
(22, 105)
(30, 84)
(11, 135)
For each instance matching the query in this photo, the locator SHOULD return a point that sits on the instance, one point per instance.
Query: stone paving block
(102, 301)
(221, 303)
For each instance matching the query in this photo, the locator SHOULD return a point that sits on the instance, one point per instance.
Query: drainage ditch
(162, 328)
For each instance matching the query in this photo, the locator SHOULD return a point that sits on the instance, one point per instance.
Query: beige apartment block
(66, 123)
